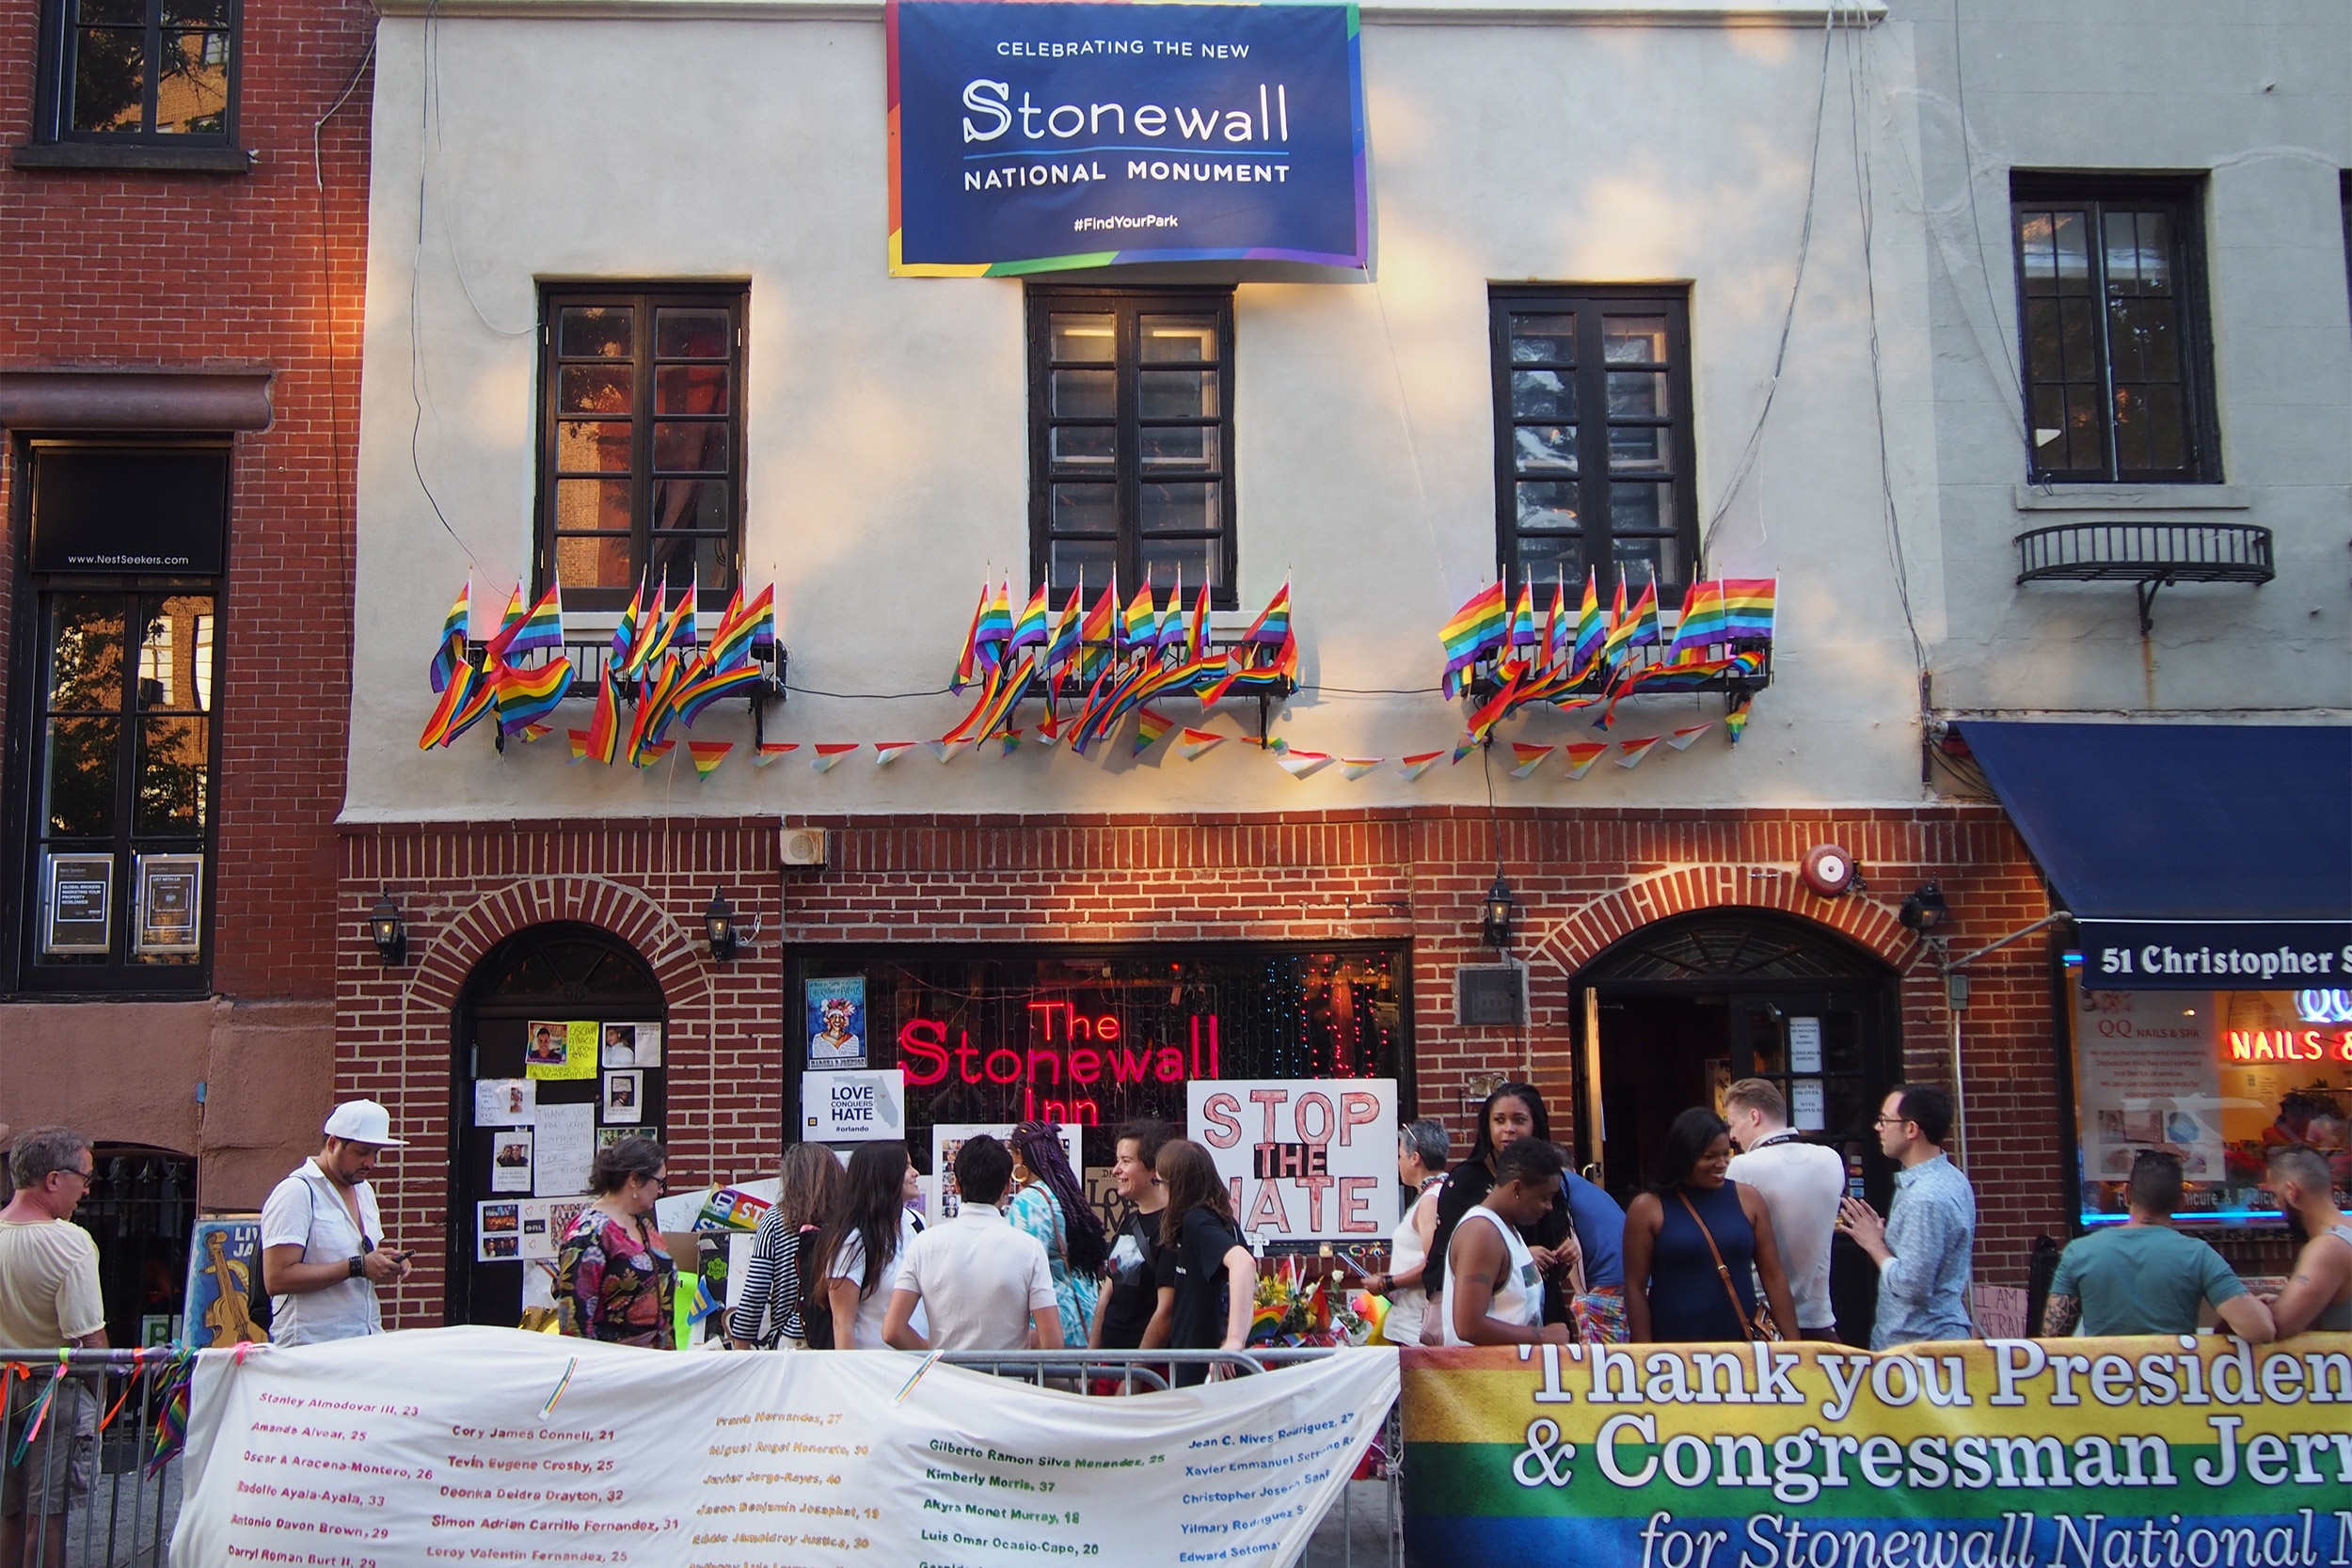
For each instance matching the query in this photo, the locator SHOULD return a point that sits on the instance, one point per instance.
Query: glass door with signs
(562, 1048)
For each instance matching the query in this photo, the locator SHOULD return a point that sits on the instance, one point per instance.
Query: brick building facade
(182, 281)
(1409, 877)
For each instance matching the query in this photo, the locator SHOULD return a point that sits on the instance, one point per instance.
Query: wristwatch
(359, 1266)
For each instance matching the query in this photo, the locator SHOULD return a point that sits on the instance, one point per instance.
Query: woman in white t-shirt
(1493, 1294)
(869, 1235)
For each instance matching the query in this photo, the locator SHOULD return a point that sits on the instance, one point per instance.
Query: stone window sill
(126, 155)
(2132, 497)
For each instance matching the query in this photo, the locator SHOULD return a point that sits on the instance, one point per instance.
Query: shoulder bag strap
(1730, 1289)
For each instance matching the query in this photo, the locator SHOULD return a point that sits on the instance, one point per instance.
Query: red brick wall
(195, 270)
(1416, 875)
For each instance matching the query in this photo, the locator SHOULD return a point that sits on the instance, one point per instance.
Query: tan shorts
(62, 1462)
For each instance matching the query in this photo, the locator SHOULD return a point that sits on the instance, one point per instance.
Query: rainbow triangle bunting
(1149, 728)
(709, 755)
(1680, 740)
(1301, 765)
(829, 752)
(1352, 768)
(1735, 724)
(946, 751)
(1463, 748)
(1581, 755)
(580, 745)
(1413, 767)
(1633, 751)
(1010, 741)
(655, 752)
(771, 751)
(1195, 744)
(888, 752)
(1529, 757)
(1048, 730)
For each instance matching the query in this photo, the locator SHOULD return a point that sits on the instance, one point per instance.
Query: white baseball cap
(363, 1121)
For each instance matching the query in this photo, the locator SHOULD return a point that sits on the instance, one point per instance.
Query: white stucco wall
(2258, 99)
(886, 420)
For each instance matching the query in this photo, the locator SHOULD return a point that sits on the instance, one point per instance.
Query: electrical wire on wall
(345, 534)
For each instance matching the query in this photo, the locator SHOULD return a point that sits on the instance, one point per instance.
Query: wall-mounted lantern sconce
(1925, 911)
(388, 932)
(719, 922)
(1494, 922)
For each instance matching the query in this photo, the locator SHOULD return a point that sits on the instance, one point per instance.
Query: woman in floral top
(614, 1279)
(1051, 1207)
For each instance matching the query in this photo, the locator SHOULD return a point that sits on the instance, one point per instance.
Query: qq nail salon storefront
(2207, 991)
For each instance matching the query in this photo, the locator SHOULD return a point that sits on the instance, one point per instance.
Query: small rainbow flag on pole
(466, 686)
(1476, 629)
(604, 725)
(1063, 647)
(1748, 606)
(968, 666)
(1702, 621)
(1591, 627)
(1033, 628)
(452, 651)
(709, 755)
(526, 697)
(1142, 628)
(1273, 625)
(1524, 632)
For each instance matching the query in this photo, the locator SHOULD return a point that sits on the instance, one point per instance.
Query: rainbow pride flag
(1748, 606)
(1273, 625)
(968, 666)
(604, 725)
(708, 685)
(996, 627)
(1702, 621)
(1476, 629)
(1064, 644)
(1141, 627)
(1591, 627)
(526, 697)
(708, 755)
(542, 629)
(1101, 621)
(466, 697)
(1033, 628)
(452, 651)
(509, 624)
(1524, 631)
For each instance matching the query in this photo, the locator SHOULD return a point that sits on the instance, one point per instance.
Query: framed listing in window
(77, 903)
(168, 895)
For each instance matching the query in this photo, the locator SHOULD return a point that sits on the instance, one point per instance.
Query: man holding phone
(323, 1248)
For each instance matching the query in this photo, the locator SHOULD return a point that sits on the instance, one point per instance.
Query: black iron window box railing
(2147, 555)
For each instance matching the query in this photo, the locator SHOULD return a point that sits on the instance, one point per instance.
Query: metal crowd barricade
(1147, 1369)
(124, 1520)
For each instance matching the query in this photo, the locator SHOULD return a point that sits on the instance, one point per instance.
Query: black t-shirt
(1195, 1269)
(1135, 1287)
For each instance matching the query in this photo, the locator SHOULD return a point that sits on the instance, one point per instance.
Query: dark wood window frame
(1122, 538)
(67, 25)
(23, 967)
(1523, 552)
(644, 300)
(2088, 390)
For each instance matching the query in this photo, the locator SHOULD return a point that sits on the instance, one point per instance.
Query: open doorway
(1671, 1015)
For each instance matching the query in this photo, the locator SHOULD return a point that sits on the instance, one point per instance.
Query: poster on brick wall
(1306, 1160)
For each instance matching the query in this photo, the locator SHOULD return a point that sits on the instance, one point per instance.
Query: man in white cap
(323, 1246)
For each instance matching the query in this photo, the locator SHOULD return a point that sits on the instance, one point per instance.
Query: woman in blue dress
(1697, 1243)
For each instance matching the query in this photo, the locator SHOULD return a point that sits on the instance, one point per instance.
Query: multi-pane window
(1593, 434)
(163, 71)
(121, 722)
(2118, 376)
(641, 440)
(1131, 428)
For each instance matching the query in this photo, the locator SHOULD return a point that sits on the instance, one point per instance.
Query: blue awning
(2227, 848)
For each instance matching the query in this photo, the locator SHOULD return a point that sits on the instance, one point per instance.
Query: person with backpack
(768, 1312)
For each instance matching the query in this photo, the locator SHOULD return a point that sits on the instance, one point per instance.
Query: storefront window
(1098, 1039)
(2217, 1078)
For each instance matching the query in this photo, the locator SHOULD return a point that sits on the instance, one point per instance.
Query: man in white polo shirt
(322, 1248)
(1802, 1184)
(983, 1284)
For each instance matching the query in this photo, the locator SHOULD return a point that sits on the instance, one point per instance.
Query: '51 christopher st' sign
(1034, 137)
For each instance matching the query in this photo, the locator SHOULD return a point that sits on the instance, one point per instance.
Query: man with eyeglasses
(49, 1299)
(1923, 1246)
(324, 1252)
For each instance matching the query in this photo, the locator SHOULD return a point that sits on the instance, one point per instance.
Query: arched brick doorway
(538, 981)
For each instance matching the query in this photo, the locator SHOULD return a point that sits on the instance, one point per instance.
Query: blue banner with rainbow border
(1040, 135)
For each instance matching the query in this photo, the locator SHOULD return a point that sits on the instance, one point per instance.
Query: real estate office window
(156, 72)
(1594, 444)
(641, 440)
(113, 824)
(1131, 440)
(2111, 309)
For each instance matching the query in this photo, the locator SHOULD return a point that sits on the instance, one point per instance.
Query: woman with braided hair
(1051, 1207)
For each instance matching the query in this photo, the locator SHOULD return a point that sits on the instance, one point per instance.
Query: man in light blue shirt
(1923, 1246)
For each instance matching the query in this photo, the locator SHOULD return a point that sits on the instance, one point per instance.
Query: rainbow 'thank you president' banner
(1031, 137)
(2156, 1453)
